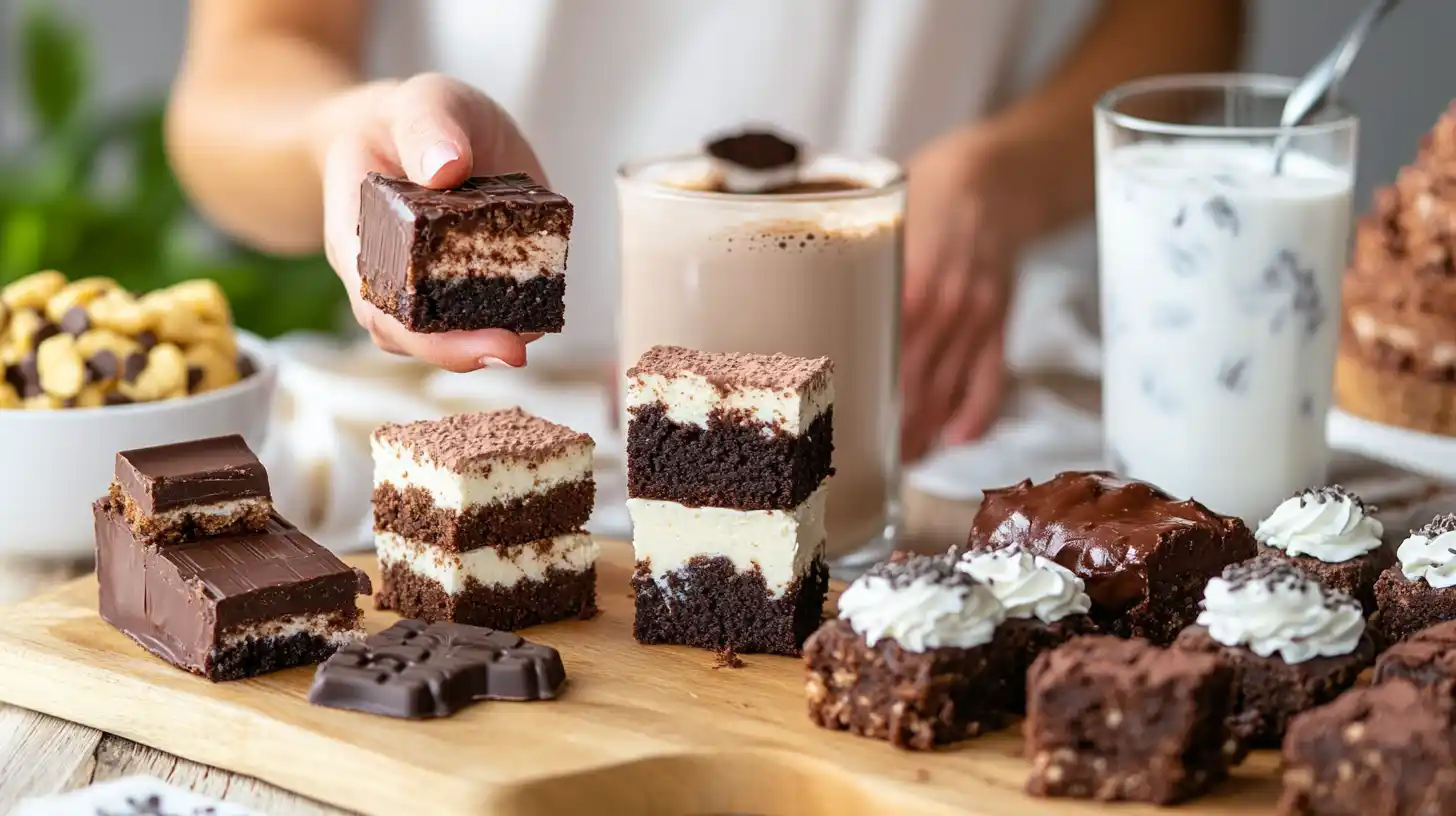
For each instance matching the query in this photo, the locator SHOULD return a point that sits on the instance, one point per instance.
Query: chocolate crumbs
(726, 658)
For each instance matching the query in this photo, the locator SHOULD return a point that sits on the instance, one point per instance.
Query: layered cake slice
(727, 459)
(227, 607)
(207, 487)
(478, 519)
(490, 253)
(745, 431)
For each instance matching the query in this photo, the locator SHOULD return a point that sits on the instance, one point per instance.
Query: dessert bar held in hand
(207, 487)
(228, 607)
(417, 670)
(478, 519)
(489, 254)
(911, 657)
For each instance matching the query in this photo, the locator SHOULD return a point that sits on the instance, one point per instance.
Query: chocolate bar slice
(230, 607)
(417, 670)
(490, 254)
(171, 494)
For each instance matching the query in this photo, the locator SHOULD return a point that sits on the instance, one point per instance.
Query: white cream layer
(222, 509)
(526, 257)
(318, 624)
(781, 543)
(507, 479)
(690, 398)
(498, 567)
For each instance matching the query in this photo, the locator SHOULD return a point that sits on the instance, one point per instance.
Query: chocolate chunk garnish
(417, 670)
(1438, 526)
(133, 366)
(754, 150)
(1221, 211)
(75, 321)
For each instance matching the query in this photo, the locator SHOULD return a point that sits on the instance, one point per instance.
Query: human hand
(437, 132)
(966, 222)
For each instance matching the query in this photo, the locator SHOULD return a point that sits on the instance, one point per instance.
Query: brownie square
(1355, 577)
(1271, 691)
(1404, 607)
(914, 700)
(1426, 658)
(489, 254)
(1021, 641)
(1122, 720)
(1145, 557)
(1388, 750)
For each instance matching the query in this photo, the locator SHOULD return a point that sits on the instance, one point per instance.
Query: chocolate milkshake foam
(745, 247)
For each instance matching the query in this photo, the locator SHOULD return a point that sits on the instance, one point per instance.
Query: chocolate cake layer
(412, 513)
(710, 604)
(461, 303)
(734, 462)
(563, 595)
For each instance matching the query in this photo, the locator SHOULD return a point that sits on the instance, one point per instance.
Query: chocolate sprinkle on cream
(1334, 492)
(467, 442)
(1440, 525)
(1274, 571)
(934, 569)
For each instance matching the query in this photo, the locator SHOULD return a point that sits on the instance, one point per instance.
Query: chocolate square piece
(1144, 555)
(417, 670)
(1426, 658)
(1404, 607)
(1122, 720)
(1387, 750)
(489, 254)
(227, 607)
(189, 490)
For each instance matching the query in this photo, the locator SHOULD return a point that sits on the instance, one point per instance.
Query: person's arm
(271, 134)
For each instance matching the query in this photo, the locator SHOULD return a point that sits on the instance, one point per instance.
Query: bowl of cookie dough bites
(90, 369)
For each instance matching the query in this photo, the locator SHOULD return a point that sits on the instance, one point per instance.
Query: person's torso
(594, 83)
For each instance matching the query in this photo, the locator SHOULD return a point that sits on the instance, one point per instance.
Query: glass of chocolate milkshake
(755, 246)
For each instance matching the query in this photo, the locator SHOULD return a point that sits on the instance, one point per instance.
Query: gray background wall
(1405, 78)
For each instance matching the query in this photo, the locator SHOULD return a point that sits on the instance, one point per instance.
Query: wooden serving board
(639, 730)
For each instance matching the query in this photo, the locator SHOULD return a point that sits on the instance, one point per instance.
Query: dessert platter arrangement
(1095, 640)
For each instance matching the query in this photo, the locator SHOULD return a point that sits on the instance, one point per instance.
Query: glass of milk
(1220, 286)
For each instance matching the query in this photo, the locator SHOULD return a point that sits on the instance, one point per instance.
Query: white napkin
(129, 796)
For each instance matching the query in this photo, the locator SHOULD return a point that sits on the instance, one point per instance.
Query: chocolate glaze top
(1101, 527)
(200, 471)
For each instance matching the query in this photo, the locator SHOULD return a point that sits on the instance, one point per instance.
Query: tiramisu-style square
(728, 456)
(490, 253)
(170, 494)
(478, 519)
(746, 431)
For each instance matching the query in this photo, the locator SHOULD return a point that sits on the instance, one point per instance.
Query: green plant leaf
(55, 67)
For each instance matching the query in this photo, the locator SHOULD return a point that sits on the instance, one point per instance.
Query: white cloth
(596, 83)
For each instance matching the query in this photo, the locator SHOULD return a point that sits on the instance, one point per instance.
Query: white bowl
(54, 464)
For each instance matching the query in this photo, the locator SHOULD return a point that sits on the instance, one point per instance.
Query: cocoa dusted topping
(469, 442)
(727, 371)
(754, 150)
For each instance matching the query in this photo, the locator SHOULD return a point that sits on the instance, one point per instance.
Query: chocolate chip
(46, 331)
(75, 321)
(104, 365)
(133, 366)
(146, 339)
(29, 375)
(194, 378)
(246, 368)
(1221, 211)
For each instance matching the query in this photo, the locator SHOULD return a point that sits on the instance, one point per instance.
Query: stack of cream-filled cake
(478, 519)
(728, 457)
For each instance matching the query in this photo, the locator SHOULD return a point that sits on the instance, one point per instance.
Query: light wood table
(42, 755)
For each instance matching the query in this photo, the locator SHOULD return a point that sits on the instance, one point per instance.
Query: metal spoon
(1320, 83)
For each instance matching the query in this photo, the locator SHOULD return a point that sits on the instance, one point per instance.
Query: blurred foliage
(91, 193)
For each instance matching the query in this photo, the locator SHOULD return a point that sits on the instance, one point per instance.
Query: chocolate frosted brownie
(1334, 536)
(1419, 590)
(1387, 750)
(1294, 643)
(478, 519)
(489, 254)
(171, 494)
(727, 461)
(1426, 658)
(1122, 720)
(915, 674)
(1145, 557)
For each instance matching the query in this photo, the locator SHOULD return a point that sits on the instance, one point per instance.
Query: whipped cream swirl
(921, 603)
(1328, 523)
(1028, 585)
(1430, 553)
(1270, 606)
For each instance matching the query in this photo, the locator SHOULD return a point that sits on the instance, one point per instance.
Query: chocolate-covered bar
(227, 607)
(417, 670)
(1144, 555)
(490, 254)
(206, 487)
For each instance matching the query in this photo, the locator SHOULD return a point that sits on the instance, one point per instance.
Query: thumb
(428, 124)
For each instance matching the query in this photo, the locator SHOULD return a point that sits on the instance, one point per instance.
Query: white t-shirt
(596, 82)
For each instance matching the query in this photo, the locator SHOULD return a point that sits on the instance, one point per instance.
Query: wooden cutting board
(639, 730)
